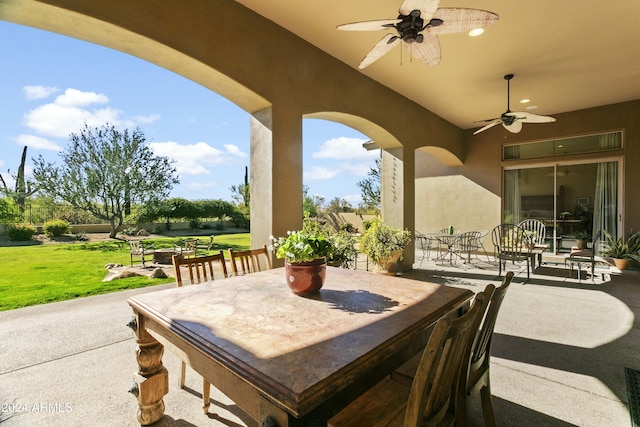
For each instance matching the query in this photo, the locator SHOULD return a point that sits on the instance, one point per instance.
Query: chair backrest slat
(250, 260)
(200, 269)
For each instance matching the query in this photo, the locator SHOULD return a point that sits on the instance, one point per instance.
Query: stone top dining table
(285, 359)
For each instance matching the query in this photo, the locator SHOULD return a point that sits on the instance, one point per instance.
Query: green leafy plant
(56, 228)
(622, 249)
(20, 232)
(382, 242)
(582, 235)
(302, 246)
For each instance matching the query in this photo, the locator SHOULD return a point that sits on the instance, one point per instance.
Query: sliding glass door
(570, 198)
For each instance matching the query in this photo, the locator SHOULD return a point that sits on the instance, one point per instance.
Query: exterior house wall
(470, 196)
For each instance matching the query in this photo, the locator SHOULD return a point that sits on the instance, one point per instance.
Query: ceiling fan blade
(487, 120)
(386, 43)
(532, 118)
(426, 7)
(428, 51)
(514, 127)
(457, 20)
(381, 24)
(489, 126)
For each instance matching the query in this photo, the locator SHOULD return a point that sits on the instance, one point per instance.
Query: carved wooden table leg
(152, 378)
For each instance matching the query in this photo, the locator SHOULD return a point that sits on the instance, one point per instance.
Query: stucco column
(276, 174)
(398, 195)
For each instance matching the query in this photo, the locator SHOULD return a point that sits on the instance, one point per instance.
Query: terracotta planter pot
(305, 277)
(621, 264)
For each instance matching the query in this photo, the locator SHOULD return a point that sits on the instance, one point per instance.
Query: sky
(52, 85)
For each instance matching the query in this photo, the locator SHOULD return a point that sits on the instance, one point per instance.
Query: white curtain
(512, 204)
(605, 201)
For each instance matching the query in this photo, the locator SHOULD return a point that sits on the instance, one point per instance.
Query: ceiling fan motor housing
(410, 26)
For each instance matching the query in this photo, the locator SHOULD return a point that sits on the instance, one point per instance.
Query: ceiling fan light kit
(418, 24)
(510, 120)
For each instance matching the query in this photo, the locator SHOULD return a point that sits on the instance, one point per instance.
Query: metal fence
(38, 215)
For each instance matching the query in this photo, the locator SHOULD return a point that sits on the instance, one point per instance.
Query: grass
(40, 274)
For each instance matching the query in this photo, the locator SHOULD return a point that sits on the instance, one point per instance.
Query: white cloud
(344, 148)
(77, 98)
(318, 173)
(357, 168)
(234, 150)
(70, 111)
(193, 159)
(147, 119)
(37, 142)
(59, 121)
(38, 92)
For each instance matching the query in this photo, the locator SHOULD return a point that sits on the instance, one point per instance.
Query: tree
(370, 187)
(23, 188)
(337, 205)
(104, 170)
(241, 194)
(311, 204)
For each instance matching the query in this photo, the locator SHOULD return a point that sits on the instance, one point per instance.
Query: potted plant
(582, 237)
(305, 254)
(384, 244)
(528, 238)
(622, 251)
(344, 250)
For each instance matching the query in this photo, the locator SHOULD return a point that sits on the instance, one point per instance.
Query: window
(561, 147)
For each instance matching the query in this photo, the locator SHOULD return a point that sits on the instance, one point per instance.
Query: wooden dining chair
(478, 373)
(475, 378)
(198, 270)
(249, 260)
(430, 399)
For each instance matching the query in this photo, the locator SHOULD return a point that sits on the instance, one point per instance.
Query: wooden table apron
(296, 360)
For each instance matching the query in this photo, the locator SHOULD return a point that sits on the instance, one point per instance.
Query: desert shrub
(20, 232)
(55, 227)
(130, 231)
(82, 236)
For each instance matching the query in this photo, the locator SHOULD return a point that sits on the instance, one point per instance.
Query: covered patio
(559, 355)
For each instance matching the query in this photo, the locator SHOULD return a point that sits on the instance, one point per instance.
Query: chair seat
(382, 405)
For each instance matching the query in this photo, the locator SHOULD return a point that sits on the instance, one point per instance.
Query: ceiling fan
(512, 121)
(418, 25)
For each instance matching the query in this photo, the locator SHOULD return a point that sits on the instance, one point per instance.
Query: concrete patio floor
(559, 352)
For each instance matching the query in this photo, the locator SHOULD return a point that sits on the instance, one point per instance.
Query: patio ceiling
(565, 56)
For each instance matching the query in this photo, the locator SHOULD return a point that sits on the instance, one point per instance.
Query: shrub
(130, 231)
(55, 228)
(21, 232)
(82, 236)
(195, 223)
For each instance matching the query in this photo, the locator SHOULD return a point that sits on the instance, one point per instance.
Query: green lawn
(40, 274)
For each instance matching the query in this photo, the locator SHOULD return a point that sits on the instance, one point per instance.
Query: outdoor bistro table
(282, 358)
(448, 240)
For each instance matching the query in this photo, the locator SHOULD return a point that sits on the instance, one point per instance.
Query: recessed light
(532, 107)
(524, 101)
(476, 32)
